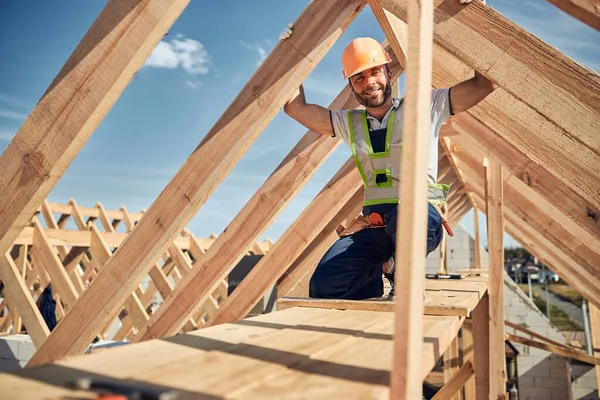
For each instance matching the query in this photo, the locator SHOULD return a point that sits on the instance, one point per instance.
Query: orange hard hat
(362, 54)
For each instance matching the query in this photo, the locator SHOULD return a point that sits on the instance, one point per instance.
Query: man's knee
(434, 229)
(319, 286)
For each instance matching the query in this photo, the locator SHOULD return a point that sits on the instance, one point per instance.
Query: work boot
(389, 267)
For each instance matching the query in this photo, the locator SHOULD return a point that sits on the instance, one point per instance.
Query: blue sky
(186, 84)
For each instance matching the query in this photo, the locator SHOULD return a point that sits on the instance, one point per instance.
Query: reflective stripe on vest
(371, 164)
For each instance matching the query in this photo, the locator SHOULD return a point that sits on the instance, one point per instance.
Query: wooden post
(451, 389)
(315, 31)
(451, 367)
(495, 235)
(112, 51)
(481, 347)
(406, 382)
(476, 242)
(595, 325)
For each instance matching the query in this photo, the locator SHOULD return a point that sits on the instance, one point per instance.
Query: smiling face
(372, 87)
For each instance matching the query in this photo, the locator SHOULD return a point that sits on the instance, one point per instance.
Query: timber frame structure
(527, 155)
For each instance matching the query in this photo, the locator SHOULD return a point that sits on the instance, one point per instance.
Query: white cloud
(193, 84)
(12, 114)
(189, 54)
(260, 49)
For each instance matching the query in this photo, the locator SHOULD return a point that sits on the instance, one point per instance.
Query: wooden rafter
(587, 11)
(536, 243)
(292, 243)
(254, 218)
(112, 51)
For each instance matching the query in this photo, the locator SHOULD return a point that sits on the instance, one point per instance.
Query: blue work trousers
(352, 268)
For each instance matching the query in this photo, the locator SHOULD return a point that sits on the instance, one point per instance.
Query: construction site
(119, 303)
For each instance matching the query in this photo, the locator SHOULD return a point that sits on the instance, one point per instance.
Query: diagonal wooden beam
(527, 205)
(254, 218)
(315, 31)
(395, 31)
(587, 11)
(553, 85)
(536, 243)
(478, 140)
(301, 270)
(92, 79)
(560, 350)
(342, 187)
(18, 292)
(457, 381)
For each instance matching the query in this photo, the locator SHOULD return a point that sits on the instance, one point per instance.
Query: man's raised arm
(468, 93)
(314, 117)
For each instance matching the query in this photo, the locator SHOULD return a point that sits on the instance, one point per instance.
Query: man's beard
(375, 101)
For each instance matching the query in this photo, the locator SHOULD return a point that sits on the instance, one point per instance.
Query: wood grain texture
(495, 238)
(254, 218)
(342, 187)
(316, 30)
(406, 383)
(90, 82)
(575, 249)
(22, 302)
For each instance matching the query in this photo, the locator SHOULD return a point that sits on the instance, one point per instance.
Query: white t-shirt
(440, 110)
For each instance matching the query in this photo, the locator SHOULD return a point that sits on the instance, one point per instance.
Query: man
(352, 268)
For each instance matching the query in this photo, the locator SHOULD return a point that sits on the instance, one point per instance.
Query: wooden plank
(595, 328)
(305, 264)
(587, 11)
(42, 254)
(316, 30)
(479, 141)
(104, 220)
(69, 209)
(560, 350)
(534, 334)
(406, 383)
(467, 356)
(15, 289)
(100, 255)
(344, 185)
(523, 65)
(90, 82)
(292, 243)
(450, 368)
(264, 206)
(62, 250)
(477, 240)
(523, 201)
(554, 250)
(558, 152)
(63, 237)
(396, 31)
(495, 237)
(450, 388)
(565, 206)
(481, 348)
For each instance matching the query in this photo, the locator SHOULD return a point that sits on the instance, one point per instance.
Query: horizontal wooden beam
(286, 67)
(561, 351)
(90, 82)
(534, 334)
